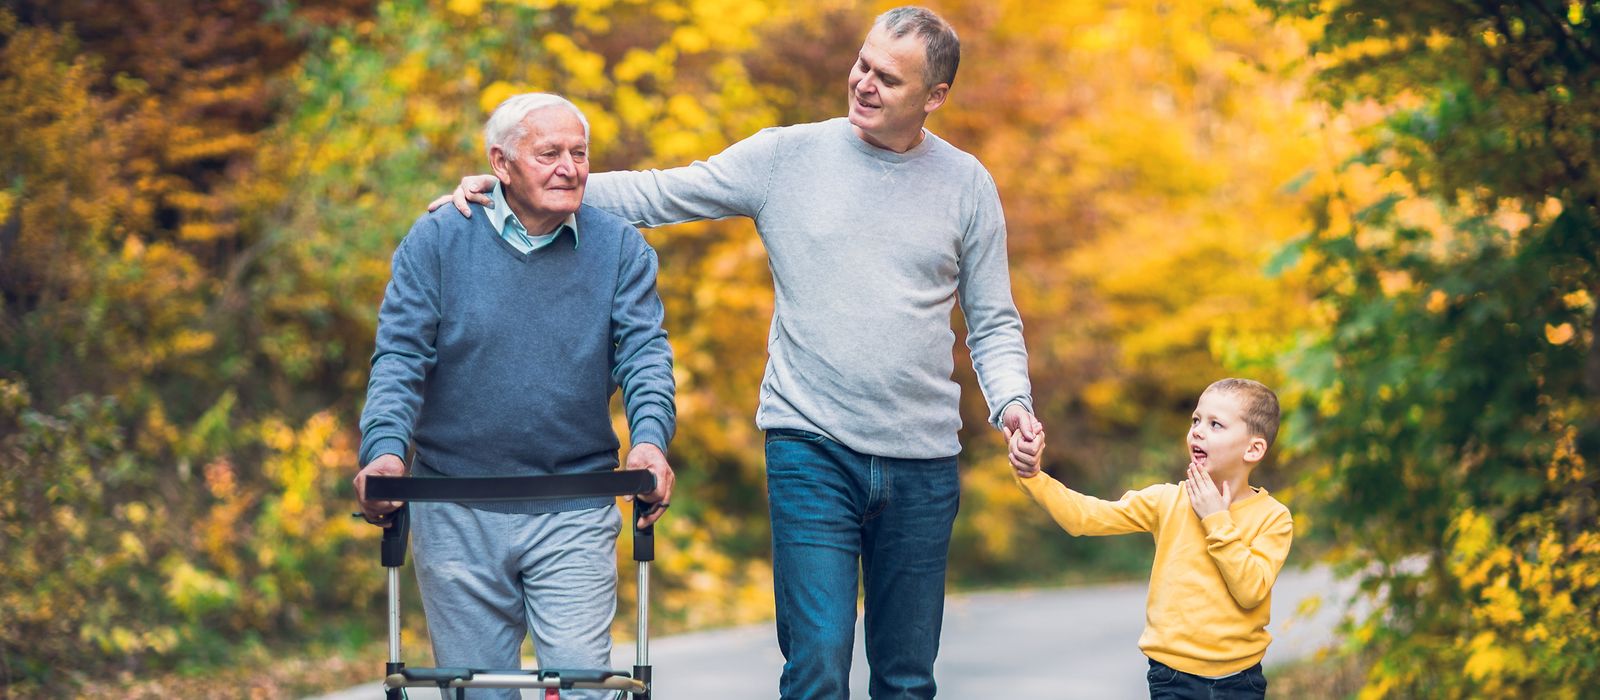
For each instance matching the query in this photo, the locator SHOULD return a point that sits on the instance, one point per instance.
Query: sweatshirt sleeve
(642, 360)
(994, 328)
(1249, 568)
(405, 350)
(1080, 515)
(734, 182)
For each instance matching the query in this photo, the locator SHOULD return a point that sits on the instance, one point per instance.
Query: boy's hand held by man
(1025, 453)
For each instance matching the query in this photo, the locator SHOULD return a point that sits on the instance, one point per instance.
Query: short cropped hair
(939, 38)
(506, 127)
(1259, 402)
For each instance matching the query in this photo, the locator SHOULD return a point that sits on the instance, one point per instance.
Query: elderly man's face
(552, 165)
(889, 98)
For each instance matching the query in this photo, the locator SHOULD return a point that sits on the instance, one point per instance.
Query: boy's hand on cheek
(1203, 493)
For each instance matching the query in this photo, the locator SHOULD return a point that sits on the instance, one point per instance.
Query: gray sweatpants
(487, 579)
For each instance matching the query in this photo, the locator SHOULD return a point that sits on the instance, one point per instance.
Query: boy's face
(1218, 438)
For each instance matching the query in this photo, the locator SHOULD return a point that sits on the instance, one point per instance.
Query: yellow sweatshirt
(1211, 584)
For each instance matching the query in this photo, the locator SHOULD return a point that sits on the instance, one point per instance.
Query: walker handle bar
(483, 489)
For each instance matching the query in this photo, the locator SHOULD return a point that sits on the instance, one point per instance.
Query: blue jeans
(835, 512)
(1168, 683)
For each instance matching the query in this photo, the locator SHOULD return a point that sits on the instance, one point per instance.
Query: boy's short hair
(1260, 405)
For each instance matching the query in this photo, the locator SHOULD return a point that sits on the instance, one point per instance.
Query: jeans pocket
(1256, 679)
(1160, 674)
(790, 434)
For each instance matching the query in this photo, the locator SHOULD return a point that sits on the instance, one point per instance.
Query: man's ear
(500, 163)
(1256, 450)
(936, 98)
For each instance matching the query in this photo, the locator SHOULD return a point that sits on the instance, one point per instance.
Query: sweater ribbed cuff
(383, 446)
(649, 429)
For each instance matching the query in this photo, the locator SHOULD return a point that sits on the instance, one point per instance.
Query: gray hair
(944, 49)
(507, 125)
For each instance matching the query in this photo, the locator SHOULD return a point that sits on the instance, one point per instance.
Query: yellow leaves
(634, 109)
(1558, 335)
(690, 40)
(1438, 301)
(497, 92)
(1500, 603)
(136, 513)
(193, 591)
(603, 127)
(585, 69)
(409, 75)
(1578, 300)
(465, 8)
(637, 63)
(1486, 658)
(119, 640)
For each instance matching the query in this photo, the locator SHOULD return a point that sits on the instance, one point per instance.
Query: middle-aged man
(874, 227)
(500, 342)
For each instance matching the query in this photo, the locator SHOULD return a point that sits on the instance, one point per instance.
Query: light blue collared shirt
(505, 223)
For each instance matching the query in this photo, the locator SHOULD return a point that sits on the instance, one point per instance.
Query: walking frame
(398, 676)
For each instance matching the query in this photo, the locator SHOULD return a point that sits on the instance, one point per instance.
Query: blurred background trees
(1448, 404)
(1386, 211)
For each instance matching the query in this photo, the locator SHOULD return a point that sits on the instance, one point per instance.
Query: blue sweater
(496, 362)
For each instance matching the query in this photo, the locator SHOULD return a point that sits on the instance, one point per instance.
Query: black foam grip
(395, 536)
(644, 538)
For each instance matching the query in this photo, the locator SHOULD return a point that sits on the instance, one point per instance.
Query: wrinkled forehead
(904, 55)
(553, 124)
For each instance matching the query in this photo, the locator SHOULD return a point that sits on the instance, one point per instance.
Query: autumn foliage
(1388, 211)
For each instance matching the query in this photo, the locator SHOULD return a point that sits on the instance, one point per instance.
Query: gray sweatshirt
(870, 249)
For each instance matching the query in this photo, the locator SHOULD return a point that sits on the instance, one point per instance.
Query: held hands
(1203, 493)
(377, 512)
(647, 456)
(473, 189)
(1025, 438)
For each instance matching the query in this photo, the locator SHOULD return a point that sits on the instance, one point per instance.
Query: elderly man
(500, 341)
(875, 227)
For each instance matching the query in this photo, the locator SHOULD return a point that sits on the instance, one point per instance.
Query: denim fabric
(1168, 683)
(836, 512)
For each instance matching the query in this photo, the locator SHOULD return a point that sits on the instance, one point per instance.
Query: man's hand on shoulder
(377, 512)
(1024, 439)
(647, 456)
(473, 188)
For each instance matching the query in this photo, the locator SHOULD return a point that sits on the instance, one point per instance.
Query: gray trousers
(487, 579)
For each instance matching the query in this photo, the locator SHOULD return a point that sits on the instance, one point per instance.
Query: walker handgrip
(394, 538)
(644, 538)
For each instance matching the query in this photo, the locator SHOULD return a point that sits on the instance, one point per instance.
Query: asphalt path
(1045, 643)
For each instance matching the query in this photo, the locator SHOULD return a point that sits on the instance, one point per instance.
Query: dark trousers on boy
(1168, 683)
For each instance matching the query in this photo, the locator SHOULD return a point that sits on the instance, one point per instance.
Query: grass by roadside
(260, 675)
(1322, 676)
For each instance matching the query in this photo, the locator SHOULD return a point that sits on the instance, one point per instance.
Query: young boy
(1219, 545)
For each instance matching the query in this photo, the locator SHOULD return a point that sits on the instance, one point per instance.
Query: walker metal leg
(395, 664)
(644, 552)
(393, 557)
(641, 666)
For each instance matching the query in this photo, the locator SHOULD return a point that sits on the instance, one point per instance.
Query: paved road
(1059, 643)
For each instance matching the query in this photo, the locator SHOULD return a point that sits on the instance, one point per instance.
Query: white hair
(507, 125)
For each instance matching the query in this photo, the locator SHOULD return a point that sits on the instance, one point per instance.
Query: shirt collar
(506, 223)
